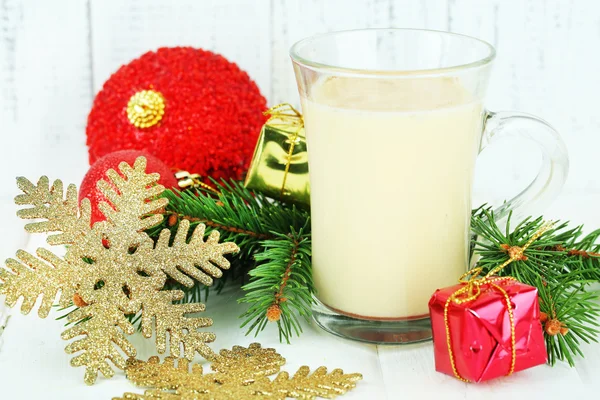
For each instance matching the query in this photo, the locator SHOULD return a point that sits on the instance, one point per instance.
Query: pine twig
(222, 227)
(281, 286)
(574, 312)
(561, 267)
(269, 233)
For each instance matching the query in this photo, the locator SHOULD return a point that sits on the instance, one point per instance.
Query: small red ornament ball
(207, 122)
(98, 170)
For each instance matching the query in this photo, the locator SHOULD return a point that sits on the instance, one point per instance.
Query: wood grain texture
(10, 14)
(54, 57)
(239, 30)
(544, 64)
(45, 88)
(293, 20)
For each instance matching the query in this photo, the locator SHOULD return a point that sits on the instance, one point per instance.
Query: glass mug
(394, 122)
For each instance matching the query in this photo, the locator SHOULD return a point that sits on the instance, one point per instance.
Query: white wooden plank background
(55, 55)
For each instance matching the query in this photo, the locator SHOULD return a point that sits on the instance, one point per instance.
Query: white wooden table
(33, 364)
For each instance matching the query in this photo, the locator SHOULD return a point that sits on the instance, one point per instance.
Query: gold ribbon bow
(286, 116)
(472, 289)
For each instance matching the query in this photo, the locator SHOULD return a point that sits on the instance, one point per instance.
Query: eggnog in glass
(394, 122)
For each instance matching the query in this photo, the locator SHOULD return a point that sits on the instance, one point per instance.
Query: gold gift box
(279, 167)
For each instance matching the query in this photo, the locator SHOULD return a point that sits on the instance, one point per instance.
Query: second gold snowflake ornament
(115, 268)
(240, 374)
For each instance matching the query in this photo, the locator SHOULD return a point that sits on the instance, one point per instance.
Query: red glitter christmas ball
(189, 107)
(97, 171)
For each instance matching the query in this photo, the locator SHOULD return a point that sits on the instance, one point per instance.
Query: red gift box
(480, 330)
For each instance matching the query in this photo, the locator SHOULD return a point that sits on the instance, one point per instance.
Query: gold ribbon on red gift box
(472, 289)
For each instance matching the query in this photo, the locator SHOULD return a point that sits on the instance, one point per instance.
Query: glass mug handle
(555, 161)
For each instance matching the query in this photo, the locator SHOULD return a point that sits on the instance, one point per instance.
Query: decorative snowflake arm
(30, 276)
(104, 326)
(254, 361)
(241, 373)
(154, 394)
(181, 260)
(60, 214)
(133, 204)
(320, 384)
(240, 365)
(172, 318)
(170, 375)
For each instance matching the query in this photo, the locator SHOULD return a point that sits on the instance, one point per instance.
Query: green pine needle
(561, 275)
(270, 234)
(282, 279)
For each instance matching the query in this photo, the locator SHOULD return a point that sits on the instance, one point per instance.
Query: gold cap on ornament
(146, 108)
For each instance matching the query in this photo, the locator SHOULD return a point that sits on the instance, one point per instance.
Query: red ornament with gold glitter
(191, 108)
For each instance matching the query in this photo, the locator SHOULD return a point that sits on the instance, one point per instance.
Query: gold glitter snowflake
(241, 373)
(115, 268)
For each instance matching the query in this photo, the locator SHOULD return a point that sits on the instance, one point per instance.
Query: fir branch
(281, 286)
(559, 265)
(570, 315)
(274, 235)
(226, 228)
(241, 216)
